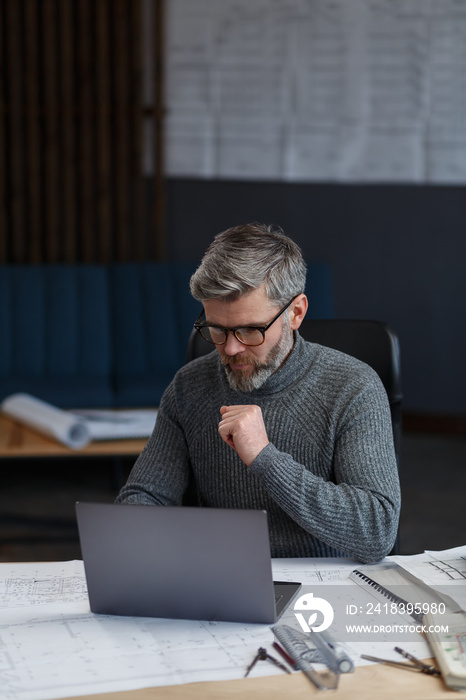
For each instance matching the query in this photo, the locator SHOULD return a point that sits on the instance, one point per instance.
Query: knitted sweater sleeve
(160, 475)
(357, 510)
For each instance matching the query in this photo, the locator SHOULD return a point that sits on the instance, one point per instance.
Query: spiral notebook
(393, 583)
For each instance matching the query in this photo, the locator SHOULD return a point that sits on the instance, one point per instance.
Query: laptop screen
(177, 562)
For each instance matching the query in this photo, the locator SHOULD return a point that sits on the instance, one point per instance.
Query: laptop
(180, 562)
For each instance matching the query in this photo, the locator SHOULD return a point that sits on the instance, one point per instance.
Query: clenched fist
(242, 427)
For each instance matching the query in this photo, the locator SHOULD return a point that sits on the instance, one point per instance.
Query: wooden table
(17, 440)
(366, 683)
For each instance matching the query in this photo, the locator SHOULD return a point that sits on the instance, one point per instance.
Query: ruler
(306, 650)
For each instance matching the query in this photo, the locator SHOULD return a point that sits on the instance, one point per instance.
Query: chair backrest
(197, 346)
(373, 342)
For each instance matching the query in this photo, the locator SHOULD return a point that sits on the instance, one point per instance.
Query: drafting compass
(263, 655)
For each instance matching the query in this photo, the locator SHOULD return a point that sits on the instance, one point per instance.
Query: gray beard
(241, 382)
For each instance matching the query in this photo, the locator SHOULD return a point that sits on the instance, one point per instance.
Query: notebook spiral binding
(401, 602)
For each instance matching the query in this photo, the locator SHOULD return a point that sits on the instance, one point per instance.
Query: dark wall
(397, 253)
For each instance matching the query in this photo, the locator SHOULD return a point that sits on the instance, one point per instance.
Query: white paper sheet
(118, 424)
(52, 646)
(445, 571)
(317, 90)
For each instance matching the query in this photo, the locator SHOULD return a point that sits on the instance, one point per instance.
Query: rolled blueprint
(69, 429)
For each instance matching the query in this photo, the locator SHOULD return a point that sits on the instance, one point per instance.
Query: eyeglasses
(248, 335)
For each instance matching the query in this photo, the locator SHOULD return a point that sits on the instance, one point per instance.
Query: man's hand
(242, 427)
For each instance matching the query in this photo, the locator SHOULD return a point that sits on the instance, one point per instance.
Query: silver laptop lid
(177, 562)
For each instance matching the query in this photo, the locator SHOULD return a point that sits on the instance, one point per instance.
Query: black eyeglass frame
(262, 329)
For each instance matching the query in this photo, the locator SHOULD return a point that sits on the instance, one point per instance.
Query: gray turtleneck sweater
(328, 479)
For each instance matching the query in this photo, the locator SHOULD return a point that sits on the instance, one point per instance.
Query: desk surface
(366, 683)
(57, 648)
(17, 440)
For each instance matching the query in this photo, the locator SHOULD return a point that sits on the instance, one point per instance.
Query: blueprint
(33, 585)
(52, 655)
(445, 571)
(317, 90)
(52, 646)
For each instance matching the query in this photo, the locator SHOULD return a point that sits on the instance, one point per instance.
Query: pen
(283, 653)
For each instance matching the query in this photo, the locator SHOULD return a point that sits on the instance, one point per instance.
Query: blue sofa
(101, 336)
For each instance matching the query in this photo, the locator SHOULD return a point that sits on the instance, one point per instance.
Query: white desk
(51, 646)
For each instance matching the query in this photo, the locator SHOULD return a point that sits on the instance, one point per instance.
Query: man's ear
(298, 311)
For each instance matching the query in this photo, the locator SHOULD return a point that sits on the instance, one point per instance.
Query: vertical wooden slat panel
(104, 131)
(86, 140)
(14, 34)
(4, 247)
(159, 197)
(136, 135)
(72, 187)
(68, 130)
(35, 209)
(52, 184)
(122, 161)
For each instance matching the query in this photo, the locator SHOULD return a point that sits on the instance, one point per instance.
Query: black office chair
(373, 342)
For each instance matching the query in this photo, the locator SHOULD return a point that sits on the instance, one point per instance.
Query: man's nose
(233, 345)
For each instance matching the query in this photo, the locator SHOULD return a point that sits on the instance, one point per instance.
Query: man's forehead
(252, 308)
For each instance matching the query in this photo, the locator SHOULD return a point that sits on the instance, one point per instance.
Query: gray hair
(244, 258)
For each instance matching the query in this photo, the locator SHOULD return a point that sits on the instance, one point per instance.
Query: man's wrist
(263, 459)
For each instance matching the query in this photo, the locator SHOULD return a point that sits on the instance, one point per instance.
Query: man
(270, 421)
